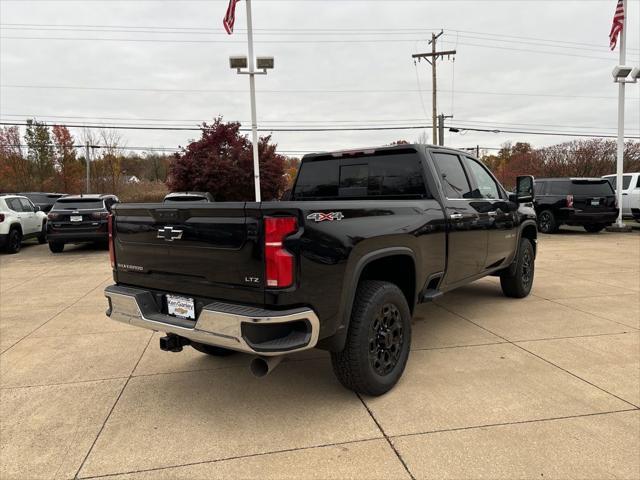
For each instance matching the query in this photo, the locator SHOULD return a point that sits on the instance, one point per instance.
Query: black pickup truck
(365, 236)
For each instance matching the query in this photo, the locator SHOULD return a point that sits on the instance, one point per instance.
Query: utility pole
(432, 58)
(88, 161)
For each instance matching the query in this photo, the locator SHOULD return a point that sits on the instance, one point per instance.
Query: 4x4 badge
(325, 217)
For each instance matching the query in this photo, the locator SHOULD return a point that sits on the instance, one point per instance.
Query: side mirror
(524, 189)
(36, 208)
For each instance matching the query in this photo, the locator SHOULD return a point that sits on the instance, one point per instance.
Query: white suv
(20, 219)
(630, 194)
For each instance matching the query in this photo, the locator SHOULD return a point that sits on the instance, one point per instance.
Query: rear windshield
(78, 204)
(395, 175)
(591, 188)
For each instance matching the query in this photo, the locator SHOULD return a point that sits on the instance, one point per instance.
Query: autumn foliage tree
(68, 168)
(221, 162)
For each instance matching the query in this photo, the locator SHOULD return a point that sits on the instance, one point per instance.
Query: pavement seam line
(519, 422)
(106, 419)
(594, 314)
(388, 440)
(236, 457)
(547, 361)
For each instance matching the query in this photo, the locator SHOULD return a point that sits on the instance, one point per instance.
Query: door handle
(456, 216)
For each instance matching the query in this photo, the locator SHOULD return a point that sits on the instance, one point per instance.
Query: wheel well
(16, 226)
(397, 269)
(531, 232)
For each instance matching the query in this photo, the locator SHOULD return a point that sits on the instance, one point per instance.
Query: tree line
(221, 162)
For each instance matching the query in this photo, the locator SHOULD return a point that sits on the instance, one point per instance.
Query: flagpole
(254, 119)
(621, 94)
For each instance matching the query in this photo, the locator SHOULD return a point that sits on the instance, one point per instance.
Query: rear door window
(452, 176)
(14, 204)
(539, 188)
(560, 187)
(394, 175)
(626, 181)
(592, 189)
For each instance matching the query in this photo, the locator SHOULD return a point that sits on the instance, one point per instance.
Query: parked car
(79, 219)
(188, 197)
(366, 236)
(585, 202)
(20, 220)
(630, 194)
(42, 199)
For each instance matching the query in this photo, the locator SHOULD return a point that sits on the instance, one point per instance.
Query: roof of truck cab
(570, 179)
(389, 148)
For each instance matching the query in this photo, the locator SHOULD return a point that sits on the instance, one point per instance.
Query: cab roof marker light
(352, 152)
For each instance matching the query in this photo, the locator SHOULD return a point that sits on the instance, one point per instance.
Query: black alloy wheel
(385, 339)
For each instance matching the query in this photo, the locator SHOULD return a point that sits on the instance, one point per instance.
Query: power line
(316, 123)
(339, 129)
(301, 91)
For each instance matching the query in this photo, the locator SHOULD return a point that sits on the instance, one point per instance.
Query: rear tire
(56, 247)
(378, 341)
(518, 284)
(14, 242)
(547, 222)
(594, 228)
(211, 350)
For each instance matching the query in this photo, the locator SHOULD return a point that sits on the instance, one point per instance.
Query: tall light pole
(263, 64)
(620, 74)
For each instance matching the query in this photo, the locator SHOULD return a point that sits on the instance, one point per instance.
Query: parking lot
(548, 386)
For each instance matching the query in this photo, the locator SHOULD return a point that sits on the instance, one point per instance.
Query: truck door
(468, 236)
(491, 199)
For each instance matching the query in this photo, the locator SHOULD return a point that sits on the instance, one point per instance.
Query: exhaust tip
(259, 367)
(263, 366)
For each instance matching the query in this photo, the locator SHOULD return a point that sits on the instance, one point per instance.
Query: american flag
(618, 25)
(230, 17)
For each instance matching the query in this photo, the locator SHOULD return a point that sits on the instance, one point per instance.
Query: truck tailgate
(209, 250)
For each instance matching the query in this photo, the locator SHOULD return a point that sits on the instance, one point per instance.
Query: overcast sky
(521, 65)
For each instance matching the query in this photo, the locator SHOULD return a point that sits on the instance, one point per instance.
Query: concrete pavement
(544, 387)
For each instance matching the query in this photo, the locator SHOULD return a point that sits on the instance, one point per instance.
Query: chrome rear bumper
(220, 324)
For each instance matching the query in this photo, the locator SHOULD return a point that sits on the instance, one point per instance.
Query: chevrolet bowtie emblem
(169, 234)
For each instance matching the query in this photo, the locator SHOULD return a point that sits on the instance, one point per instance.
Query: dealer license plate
(595, 202)
(182, 307)
(76, 218)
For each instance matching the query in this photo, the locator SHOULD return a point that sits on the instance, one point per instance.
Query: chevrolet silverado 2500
(364, 237)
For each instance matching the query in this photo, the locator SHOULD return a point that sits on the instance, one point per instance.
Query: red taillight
(569, 201)
(99, 215)
(279, 262)
(53, 216)
(112, 253)
(1, 217)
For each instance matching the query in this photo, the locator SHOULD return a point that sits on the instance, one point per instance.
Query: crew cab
(365, 236)
(79, 219)
(20, 220)
(586, 202)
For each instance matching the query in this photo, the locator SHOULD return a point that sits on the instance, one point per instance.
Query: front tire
(211, 350)
(517, 283)
(56, 247)
(14, 242)
(378, 341)
(547, 222)
(594, 228)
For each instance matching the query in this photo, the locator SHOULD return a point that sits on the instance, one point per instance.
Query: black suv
(585, 202)
(79, 219)
(44, 200)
